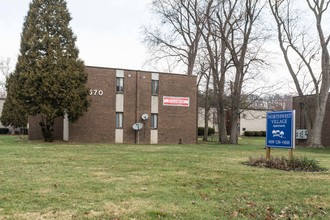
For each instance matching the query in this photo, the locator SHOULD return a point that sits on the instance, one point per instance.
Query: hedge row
(201, 131)
(20, 131)
(255, 133)
(4, 130)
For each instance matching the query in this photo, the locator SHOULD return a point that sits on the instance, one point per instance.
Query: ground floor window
(154, 121)
(119, 120)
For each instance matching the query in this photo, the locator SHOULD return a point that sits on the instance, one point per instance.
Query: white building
(250, 119)
(253, 120)
(212, 122)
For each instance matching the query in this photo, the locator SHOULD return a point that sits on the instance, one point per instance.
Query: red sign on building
(176, 101)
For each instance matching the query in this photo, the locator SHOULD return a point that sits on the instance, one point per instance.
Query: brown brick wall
(137, 101)
(129, 106)
(326, 126)
(177, 123)
(300, 119)
(98, 124)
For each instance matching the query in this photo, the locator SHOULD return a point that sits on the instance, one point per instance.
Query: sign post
(268, 153)
(280, 131)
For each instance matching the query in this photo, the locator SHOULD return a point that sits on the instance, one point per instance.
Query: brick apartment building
(297, 105)
(165, 104)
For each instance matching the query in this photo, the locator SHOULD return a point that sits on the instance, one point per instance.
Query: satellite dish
(137, 126)
(145, 117)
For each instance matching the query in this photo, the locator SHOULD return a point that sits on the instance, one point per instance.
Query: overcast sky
(108, 31)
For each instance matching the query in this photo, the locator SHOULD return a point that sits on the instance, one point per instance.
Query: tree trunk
(206, 109)
(13, 131)
(47, 128)
(315, 134)
(223, 139)
(233, 127)
(222, 114)
(235, 104)
(315, 138)
(219, 88)
(206, 126)
(191, 64)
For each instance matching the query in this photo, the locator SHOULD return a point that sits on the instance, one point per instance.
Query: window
(154, 87)
(119, 120)
(154, 121)
(120, 85)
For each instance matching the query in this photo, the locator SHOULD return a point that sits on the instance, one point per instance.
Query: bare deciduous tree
(205, 97)
(277, 102)
(178, 34)
(225, 27)
(293, 39)
(231, 50)
(218, 61)
(5, 71)
(241, 16)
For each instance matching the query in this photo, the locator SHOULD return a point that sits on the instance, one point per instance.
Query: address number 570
(97, 92)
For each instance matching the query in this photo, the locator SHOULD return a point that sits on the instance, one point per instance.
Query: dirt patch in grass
(125, 208)
(318, 177)
(43, 191)
(119, 210)
(320, 203)
(105, 177)
(99, 174)
(41, 216)
(140, 207)
(109, 210)
(156, 149)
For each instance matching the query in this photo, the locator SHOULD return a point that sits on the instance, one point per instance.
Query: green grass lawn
(205, 181)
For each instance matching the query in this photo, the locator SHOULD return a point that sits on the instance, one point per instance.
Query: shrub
(281, 163)
(249, 133)
(211, 131)
(305, 164)
(24, 130)
(201, 131)
(258, 133)
(255, 133)
(4, 130)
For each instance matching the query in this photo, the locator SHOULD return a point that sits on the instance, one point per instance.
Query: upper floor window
(154, 87)
(120, 85)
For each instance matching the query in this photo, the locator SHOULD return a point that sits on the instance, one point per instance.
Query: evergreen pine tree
(13, 112)
(51, 75)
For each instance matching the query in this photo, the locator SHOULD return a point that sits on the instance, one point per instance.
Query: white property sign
(301, 134)
(176, 101)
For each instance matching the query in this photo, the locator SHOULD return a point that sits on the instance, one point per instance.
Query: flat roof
(146, 71)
